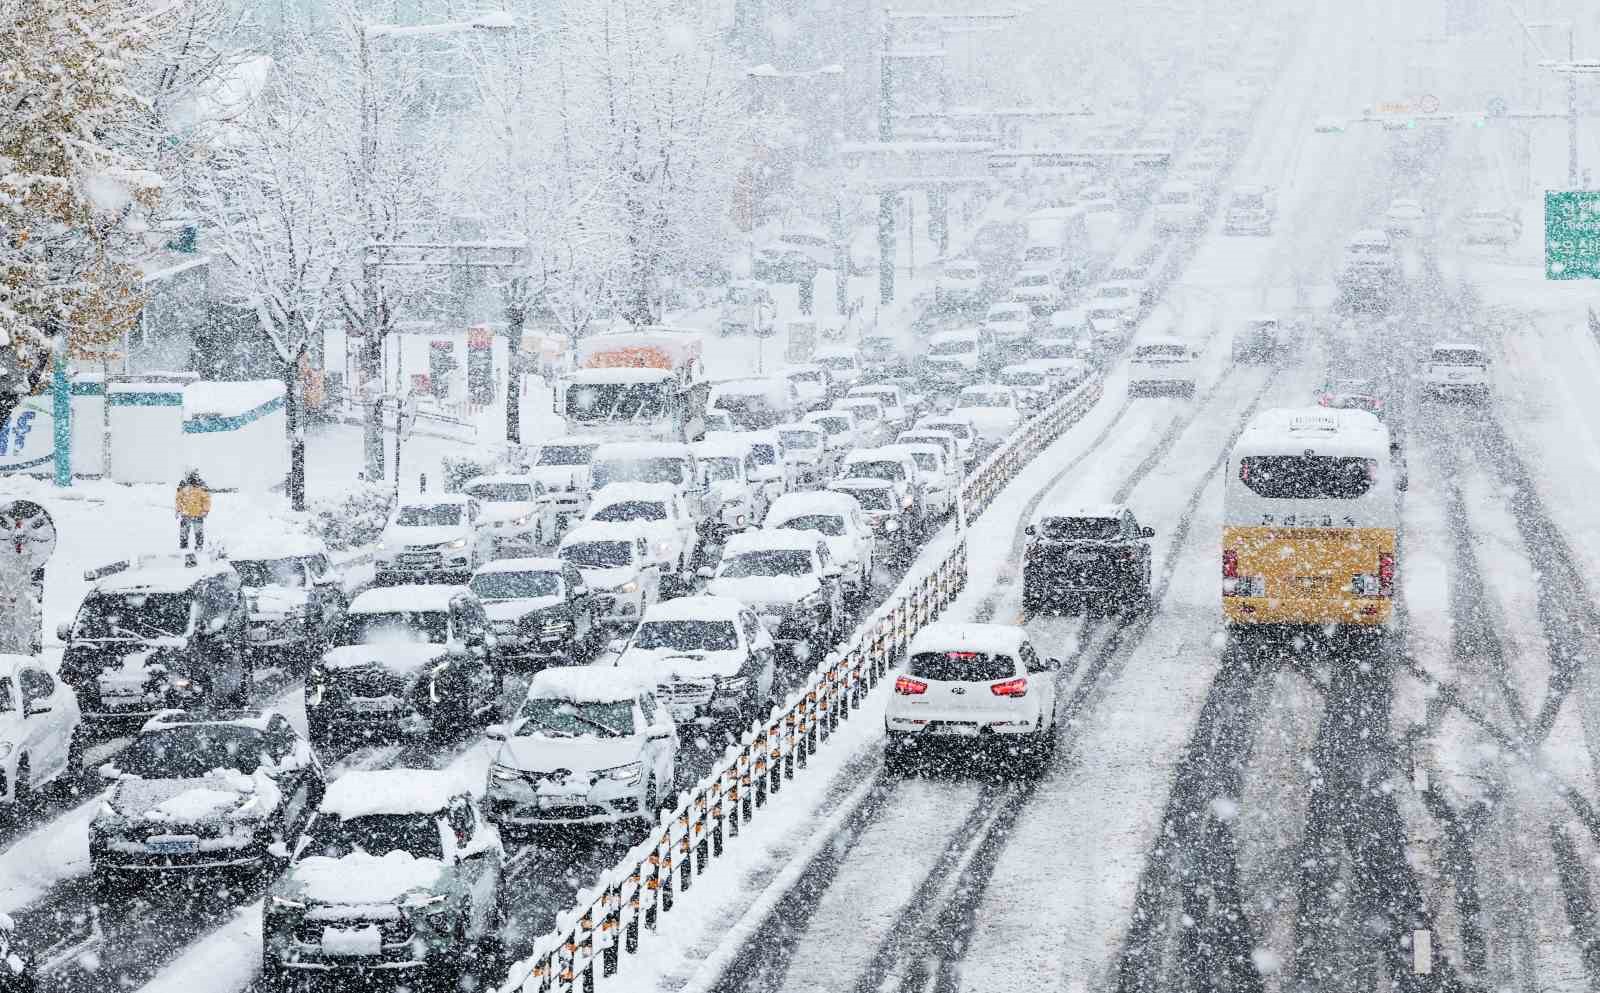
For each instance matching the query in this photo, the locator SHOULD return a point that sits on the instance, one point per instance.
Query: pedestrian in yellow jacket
(193, 504)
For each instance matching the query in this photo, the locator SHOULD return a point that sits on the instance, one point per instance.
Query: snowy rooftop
(433, 499)
(618, 492)
(1328, 431)
(792, 505)
(944, 336)
(584, 684)
(521, 565)
(779, 540)
(605, 531)
(704, 607)
(642, 450)
(995, 639)
(364, 792)
(253, 718)
(414, 596)
(723, 444)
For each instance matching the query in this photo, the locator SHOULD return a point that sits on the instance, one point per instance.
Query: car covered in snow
(154, 633)
(667, 462)
(1161, 365)
(972, 687)
(1125, 300)
(709, 657)
(945, 441)
(993, 411)
(620, 569)
(562, 468)
(1489, 226)
(790, 580)
(1095, 556)
(843, 364)
(880, 503)
(1405, 218)
(1009, 324)
(1251, 210)
(1180, 206)
(839, 429)
(199, 791)
(588, 745)
(959, 283)
(758, 403)
(896, 468)
(896, 404)
(41, 735)
(961, 427)
(938, 477)
(839, 519)
(1456, 369)
(812, 382)
(432, 538)
(293, 592)
(405, 660)
(1352, 393)
(770, 469)
(727, 464)
(399, 875)
(954, 358)
(659, 511)
(513, 513)
(539, 609)
(805, 449)
(1036, 289)
(1369, 259)
(1032, 384)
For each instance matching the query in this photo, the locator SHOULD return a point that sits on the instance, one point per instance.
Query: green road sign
(1572, 234)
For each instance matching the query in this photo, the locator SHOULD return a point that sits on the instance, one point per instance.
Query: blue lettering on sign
(14, 433)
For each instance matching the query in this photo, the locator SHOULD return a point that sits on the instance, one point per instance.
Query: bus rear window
(1307, 477)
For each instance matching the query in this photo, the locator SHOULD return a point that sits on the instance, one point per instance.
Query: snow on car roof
(871, 454)
(860, 483)
(642, 450)
(778, 540)
(1162, 340)
(618, 492)
(797, 426)
(834, 353)
(409, 596)
(984, 389)
(543, 564)
(1093, 511)
(249, 718)
(366, 792)
(1369, 236)
(1324, 430)
(605, 531)
(792, 505)
(584, 684)
(495, 479)
(433, 499)
(267, 543)
(944, 336)
(804, 367)
(723, 444)
(1456, 346)
(773, 389)
(994, 639)
(818, 415)
(163, 574)
(702, 607)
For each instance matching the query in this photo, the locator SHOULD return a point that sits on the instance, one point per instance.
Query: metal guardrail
(626, 903)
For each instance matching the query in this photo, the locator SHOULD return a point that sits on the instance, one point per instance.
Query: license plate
(1458, 375)
(569, 800)
(956, 730)
(365, 705)
(682, 711)
(174, 846)
(1081, 556)
(351, 942)
(418, 559)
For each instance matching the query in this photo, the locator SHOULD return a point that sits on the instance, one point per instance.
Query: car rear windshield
(961, 346)
(631, 510)
(1022, 378)
(874, 498)
(836, 362)
(1307, 477)
(1249, 201)
(376, 834)
(1057, 350)
(429, 515)
(566, 454)
(501, 492)
(877, 469)
(1159, 351)
(575, 719)
(1081, 528)
(598, 554)
(687, 636)
(926, 461)
(776, 562)
(831, 525)
(800, 439)
(1457, 356)
(962, 667)
(984, 400)
(833, 425)
(192, 751)
(515, 585)
(661, 470)
(256, 573)
(395, 627)
(134, 615)
(764, 454)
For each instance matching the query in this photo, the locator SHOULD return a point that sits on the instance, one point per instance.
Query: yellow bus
(1309, 518)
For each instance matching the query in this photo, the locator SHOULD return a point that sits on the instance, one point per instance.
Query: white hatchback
(1456, 369)
(39, 736)
(973, 686)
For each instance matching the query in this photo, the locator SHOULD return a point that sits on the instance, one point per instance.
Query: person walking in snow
(193, 504)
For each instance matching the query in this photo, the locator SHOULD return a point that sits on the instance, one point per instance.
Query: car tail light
(906, 686)
(1012, 687)
(1324, 400)
(1386, 574)
(1230, 564)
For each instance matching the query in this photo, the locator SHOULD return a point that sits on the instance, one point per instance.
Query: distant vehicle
(944, 440)
(1262, 339)
(710, 659)
(432, 537)
(1009, 325)
(1369, 271)
(790, 580)
(295, 596)
(513, 513)
(769, 469)
(805, 449)
(959, 284)
(1456, 369)
(1179, 207)
(992, 410)
(961, 427)
(896, 408)
(940, 476)
(1161, 365)
(540, 610)
(646, 384)
(1124, 300)
(901, 471)
(813, 385)
(226, 791)
(872, 428)
(953, 358)
(719, 421)
(843, 364)
(758, 403)
(562, 468)
(399, 873)
(658, 509)
(839, 430)
(1352, 394)
(735, 502)
(1069, 324)
(882, 506)
(155, 633)
(1032, 385)
(413, 660)
(618, 566)
(41, 734)
(672, 463)
(1063, 371)
(587, 746)
(1098, 557)
(972, 687)
(1405, 218)
(748, 308)
(1490, 226)
(839, 519)
(1251, 210)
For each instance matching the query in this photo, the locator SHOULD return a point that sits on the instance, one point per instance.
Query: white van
(1161, 365)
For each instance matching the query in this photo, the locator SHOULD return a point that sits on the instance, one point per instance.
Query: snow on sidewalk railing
(627, 901)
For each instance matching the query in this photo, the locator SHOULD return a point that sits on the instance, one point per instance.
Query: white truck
(643, 384)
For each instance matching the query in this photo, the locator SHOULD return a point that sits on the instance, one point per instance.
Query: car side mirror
(64, 631)
(495, 732)
(1147, 532)
(110, 773)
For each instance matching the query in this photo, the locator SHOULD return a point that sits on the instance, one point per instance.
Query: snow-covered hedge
(353, 519)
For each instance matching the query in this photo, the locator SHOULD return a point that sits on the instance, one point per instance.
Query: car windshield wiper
(150, 630)
(603, 726)
(559, 732)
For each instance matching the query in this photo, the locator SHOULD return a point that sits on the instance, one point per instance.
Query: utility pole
(372, 387)
(886, 198)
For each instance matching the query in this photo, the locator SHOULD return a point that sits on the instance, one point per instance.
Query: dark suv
(154, 634)
(1098, 557)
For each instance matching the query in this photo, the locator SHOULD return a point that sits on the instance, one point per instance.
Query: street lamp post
(1572, 95)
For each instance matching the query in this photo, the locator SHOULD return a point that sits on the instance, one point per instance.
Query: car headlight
(631, 586)
(905, 502)
(629, 773)
(732, 684)
(504, 773)
(892, 525)
(458, 543)
(427, 903)
(284, 903)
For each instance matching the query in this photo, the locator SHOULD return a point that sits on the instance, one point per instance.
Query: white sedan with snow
(838, 517)
(790, 580)
(709, 657)
(993, 411)
(40, 740)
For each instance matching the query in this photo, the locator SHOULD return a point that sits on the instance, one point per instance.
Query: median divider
(614, 918)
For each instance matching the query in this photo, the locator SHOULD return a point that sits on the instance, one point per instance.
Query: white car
(843, 364)
(657, 509)
(899, 470)
(880, 502)
(1179, 207)
(1033, 385)
(1251, 210)
(718, 420)
(1070, 323)
(513, 512)
(953, 357)
(1490, 226)
(1009, 324)
(1405, 218)
(1062, 374)
(618, 567)
(872, 427)
(562, 468)
(790, 580)
(965, 434)
(960, 282)
(812, 382)
(896, 407)
(710, 659)
(1161, 365)
(40, 744)
(805, 448)
(1456, 369)
(972, 686)
(539, 609)
(839, 430)
(839, 519)
(940, 477)
(944, 440)
(1370, 255)
(1036, 289)
(725, 463)
(1125, 300)
(432, 537)
(993, 411)
(587, 746)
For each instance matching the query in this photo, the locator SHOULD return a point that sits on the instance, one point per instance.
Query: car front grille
(686, 692)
